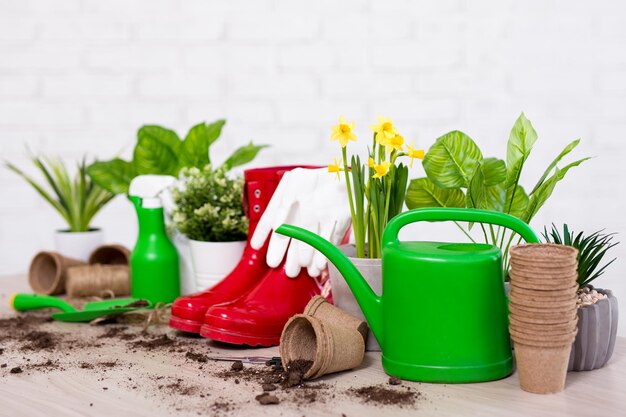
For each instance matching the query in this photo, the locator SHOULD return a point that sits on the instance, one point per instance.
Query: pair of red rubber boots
(252, 304)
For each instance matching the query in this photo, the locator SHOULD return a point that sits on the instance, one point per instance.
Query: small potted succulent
(76, 199)
(209, 212)
(376, 192)
(597, 307)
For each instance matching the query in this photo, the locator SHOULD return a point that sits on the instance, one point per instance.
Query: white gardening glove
(309, 198)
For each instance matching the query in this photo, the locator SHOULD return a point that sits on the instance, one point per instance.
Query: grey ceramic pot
(372, 271)
(597, 329)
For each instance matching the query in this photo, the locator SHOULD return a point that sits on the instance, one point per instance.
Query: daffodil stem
(357, 233)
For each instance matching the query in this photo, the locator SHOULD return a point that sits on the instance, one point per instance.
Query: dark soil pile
(380, 395)
(156, 342)
(38, 340)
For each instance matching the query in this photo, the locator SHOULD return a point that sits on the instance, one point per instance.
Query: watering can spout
(370, 303)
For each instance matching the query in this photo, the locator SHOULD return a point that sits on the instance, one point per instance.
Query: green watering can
(442, 315)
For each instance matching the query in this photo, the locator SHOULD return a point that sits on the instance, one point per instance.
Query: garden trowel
(91, 311)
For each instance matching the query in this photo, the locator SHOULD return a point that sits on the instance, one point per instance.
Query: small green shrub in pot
(210, 213)
(208, 206)
(597, 307)
(77, 200)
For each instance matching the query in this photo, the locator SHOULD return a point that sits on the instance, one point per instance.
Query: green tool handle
(23, 302)
(440, 214)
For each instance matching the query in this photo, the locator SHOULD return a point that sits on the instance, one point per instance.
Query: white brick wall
(81, 76)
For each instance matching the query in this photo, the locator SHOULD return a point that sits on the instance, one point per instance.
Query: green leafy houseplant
(591, 250)
(160, 151)
(458, 175)
(208, 206)
(77, 200)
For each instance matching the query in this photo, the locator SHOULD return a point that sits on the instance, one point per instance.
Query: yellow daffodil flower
(395, 142)
(384, 130)
(343, 132)
(334, 167)
(370, 162)
(414, 153)
(381, 169)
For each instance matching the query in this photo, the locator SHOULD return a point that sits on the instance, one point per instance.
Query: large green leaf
(517, 206)
(451, 160)
(486, 189)
(540, 196)
(194, 151)
(114, 175)
(556, 160)
(423, 192)
(156, 151)
(243, 155)
(521, 140)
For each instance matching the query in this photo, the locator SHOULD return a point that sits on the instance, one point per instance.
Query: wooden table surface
(72, 391)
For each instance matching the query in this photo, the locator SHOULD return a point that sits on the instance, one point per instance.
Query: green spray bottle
(154, 269)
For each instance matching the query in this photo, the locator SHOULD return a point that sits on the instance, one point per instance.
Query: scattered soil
(295, 372)
(267, 399)
(237, 366)
(16, 370)
(384, 396)
(395, 381)
(38, 340)
(198, 357)
(135, 304)
(268, 387)
(157, 342)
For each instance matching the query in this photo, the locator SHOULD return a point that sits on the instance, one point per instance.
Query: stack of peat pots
(543, 318)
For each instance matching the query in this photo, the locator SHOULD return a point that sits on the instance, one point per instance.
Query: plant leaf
(517, 206)
(114, 175)
(451, 160)
(243, 155)
(156, 151)
(423, 192)
(540, 197)
(521, 140)
(480, 194)
(194, 151)
(556, 160)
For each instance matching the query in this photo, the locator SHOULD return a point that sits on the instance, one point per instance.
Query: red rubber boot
(188, 311)
(258, 318)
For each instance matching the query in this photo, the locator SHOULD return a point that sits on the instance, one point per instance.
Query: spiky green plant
(77, 200)
(591, 250)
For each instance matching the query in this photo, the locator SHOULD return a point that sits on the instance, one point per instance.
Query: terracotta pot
(597, 330)
(372, 271)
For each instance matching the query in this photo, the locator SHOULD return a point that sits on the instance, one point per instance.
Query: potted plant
(161, 151)
(209, 212)
(458, 175)
(597, 307)
(77, 200)
(376, 194)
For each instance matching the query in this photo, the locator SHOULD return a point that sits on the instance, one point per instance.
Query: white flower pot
(77, 245)
(187, 278)
(212, 261)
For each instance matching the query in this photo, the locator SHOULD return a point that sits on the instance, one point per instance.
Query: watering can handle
(439, 214)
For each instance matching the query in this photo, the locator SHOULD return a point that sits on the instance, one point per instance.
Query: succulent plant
(591, 250)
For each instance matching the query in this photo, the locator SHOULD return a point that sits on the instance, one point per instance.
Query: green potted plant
(458, 175)
(376, 192)
(161, 151)
(597, 307)
(77, 200)
(209, 212)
